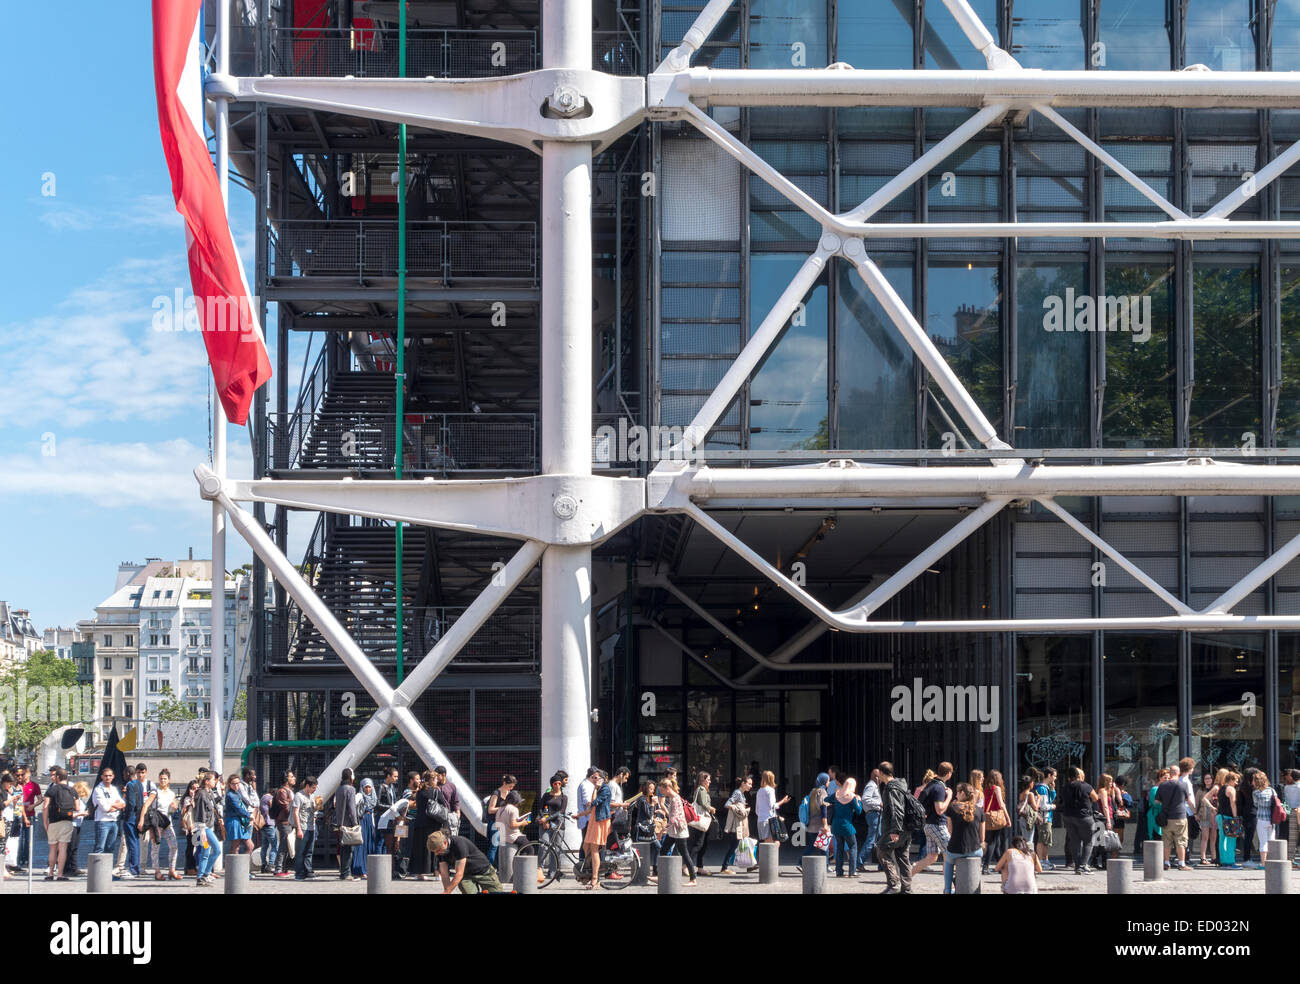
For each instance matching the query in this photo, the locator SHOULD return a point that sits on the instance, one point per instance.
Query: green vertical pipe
(400, 401)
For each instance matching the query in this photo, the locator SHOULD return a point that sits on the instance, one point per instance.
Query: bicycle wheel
(547, 867)
(618, 869)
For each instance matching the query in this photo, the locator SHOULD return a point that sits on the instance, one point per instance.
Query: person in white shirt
(872, 804)
(108, 807)
(586, 790)
(767, 806)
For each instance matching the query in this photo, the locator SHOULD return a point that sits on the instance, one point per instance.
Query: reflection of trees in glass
(1141, 388)
(876, 388)
(1288, 411)
(972, 345)
(1225, 320)
(1052, 387)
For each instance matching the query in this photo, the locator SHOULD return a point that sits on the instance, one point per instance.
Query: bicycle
(619, 866)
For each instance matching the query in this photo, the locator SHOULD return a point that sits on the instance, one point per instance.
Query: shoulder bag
(997, 819)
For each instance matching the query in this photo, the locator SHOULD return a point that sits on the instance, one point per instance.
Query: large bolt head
(565, 506)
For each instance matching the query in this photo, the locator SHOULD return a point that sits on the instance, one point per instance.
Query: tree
(170, 708)
(39, 695)
(240, 712)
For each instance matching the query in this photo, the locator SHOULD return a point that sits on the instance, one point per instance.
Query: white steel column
(217, 689)
(566, 388)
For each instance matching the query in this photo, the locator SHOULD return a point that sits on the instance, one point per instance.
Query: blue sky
(122, 407)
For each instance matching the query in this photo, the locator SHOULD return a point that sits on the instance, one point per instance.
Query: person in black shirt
(966, 835)
(935, 797)
(462, 865)
(1075, 807)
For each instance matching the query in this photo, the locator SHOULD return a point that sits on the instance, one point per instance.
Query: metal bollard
(1119, 877)
(99, 873)
(523, 874)
(237, 874)
(505, 861)
(769, 863)
(670, 875)
(814, 875)
(1153, 860)
(379, 874)
(966, 875)
(1277, 875)
(1277, 849)
(642, 849)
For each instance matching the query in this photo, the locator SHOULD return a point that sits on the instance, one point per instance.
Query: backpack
(803, 811)
(62, 803)
(913, 811)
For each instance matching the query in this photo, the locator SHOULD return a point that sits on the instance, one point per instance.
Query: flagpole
(216, 695)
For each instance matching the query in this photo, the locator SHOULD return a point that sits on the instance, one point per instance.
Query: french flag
(231, 331)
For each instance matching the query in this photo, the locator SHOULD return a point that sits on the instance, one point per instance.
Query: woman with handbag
(1266, 802)
(238, 818)
(367, 804)
(997, 820)
(156, 817)
(768, 806)
(678, 831)
(648, 823)
(1103, 820)
(1230, 824)
(346, 823)
(736, 825)
(704, 811)
(818, 826)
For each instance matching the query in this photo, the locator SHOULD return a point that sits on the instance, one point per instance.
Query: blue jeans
(948, 866)
(269, 841)
(869, 841)
(132, 848)
(846, 848)
(205, 858)
(106, 834)
(302, 861)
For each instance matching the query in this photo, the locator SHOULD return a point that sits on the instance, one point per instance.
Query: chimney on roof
(191, 553)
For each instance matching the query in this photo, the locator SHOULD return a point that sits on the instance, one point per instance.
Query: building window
(157, 594)
(167, 639)
(154, 686)
(108, 709)
(108, 641)
(130, 662)
(108, 688)
(153, 639)
(194, 664)
(108, 664)
(194, 708)
(169, 594)
(128, 688)
(130, 640)
(128, 710)
(207, 709)
(207, 664)
(152, 664)
(164, 664)
(194, 639)
(207, 639)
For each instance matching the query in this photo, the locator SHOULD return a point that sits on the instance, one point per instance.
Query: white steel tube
(217, 687)
(950, 87)
(354, 752)
(970, 24)
(699, 32)
(432, 756)
(1216, 478)
(755, 349)
(1135, 572)
(924, 164)
(1234, 595)
(935, 364)
(1249, 188)
(1109, 159)
(566, 403)
(1189, 229)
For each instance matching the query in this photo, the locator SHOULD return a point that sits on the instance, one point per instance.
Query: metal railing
(508, 640)
(367, 52)
(434, 443)
(450, 252)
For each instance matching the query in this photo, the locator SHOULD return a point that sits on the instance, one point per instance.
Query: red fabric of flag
(227, 316)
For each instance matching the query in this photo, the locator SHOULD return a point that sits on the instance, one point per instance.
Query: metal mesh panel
(316, 248)
(1163, 569)
(445, 715)
(1053, 572)
(1252, 604)
(700, 339)
(523, 764)
(1137, 604)
(373, 52)
(1131, 537)
(1050, 537)
(1056, 605)
(699, 194)
(1226, 535)
(487, 53)
(505, 250)
(700, 375)
(506, 717)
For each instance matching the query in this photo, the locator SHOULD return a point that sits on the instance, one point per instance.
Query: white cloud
(133, 475)
(139, 211)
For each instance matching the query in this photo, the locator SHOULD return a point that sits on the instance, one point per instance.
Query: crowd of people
(1223, 817)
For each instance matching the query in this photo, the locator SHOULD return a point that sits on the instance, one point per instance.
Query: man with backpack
(281, 811)
(901, 814)
(60, 804)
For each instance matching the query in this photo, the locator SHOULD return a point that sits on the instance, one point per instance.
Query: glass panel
(789, 404)
(1054, 333)
(1288, 699)
(1288, 411)
(710, 753)
(756, 753)
(708, 710)
(802, 763)
(1219, 35)
(1048, 34)
(699, 191)
(964, 321)
(656, 751)
(1134, 36)
(946, 46)
(1141, 686)
(1227, 673)
(1053, 706)
(874, 35)
(1225, 322)
(1141, 386)
(758, 709)
(787, 34)
(1286, 36)
(803, 707)
(875, 378)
